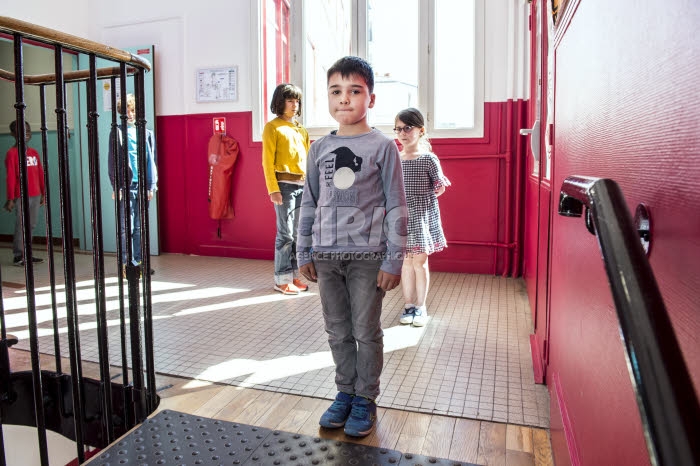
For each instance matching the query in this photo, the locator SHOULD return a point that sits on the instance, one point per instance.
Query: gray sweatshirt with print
(354, 200)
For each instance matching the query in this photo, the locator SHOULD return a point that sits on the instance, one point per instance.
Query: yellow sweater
(285, 147)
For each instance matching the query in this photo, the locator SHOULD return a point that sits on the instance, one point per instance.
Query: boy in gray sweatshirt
(351, 239)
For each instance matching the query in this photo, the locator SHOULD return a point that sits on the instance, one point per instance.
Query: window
(425, 53)
(275, 47)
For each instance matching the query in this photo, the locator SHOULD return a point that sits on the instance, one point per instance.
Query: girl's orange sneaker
(301, 285)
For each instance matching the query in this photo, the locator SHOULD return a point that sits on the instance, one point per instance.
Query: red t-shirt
(35, 173)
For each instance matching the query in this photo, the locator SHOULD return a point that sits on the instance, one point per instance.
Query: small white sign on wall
(107, 93)
(217, 84)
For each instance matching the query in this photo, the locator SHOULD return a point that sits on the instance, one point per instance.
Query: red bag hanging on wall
(222, 153)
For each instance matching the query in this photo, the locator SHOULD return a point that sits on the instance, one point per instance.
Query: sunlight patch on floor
(240, 303)
(193, 384)
(88, 294)
(19, 319)
(262, 372)
(43, 332)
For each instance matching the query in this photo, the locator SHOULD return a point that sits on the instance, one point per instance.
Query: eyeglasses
(406, 129)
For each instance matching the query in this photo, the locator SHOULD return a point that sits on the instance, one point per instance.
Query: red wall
(627, 96)
(477, 208)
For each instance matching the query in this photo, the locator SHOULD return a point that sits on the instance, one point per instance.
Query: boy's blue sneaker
(362, 417)
(407, 316)
(338, 413)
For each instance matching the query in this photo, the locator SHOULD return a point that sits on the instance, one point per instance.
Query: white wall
(188, 35)
(71, 17)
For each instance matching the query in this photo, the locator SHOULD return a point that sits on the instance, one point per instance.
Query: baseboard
(536, 359)
(40, 240)
(565, 421)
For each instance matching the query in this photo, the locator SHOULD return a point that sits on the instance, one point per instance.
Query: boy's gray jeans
(352, 308)
(18, 240)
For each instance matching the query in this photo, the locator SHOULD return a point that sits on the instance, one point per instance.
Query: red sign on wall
(219, 124)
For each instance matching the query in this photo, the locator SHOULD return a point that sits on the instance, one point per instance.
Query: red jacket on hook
(222, 154)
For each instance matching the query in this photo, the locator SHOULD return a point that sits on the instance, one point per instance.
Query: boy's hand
(276, 198)
(439, 190)
(387, 281)
(308, 271)
(9, 205)
(43, 199)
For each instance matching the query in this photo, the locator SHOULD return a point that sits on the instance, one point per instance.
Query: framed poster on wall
(217, 84)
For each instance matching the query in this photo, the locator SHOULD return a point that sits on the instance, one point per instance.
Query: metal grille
(174, 438)
(90, 412)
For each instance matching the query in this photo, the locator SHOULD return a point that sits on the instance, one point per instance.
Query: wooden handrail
(51, 36)
(68, 76)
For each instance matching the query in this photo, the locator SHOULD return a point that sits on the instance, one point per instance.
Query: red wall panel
(626, 107)
(183, 170)
(473, 209)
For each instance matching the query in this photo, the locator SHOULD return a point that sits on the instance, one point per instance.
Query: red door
(538, 195)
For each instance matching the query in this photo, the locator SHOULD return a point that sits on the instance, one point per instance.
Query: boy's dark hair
(348, 66)
(411, 117)
(13, 127)
(283, 92)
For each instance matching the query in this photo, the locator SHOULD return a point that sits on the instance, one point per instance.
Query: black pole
(49, 231)
(145, 236)
(132, 273)
(68, 256)
(118, 182)
(3, 330)
(97, 251)
(123, 155)
(3, 462)
(20, 132)
(4, 385)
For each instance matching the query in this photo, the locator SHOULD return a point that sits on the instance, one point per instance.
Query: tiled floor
(218, 319)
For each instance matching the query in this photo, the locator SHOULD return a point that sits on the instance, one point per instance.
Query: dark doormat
(174, 438)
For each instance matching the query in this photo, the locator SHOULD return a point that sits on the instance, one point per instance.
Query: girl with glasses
(424, 182)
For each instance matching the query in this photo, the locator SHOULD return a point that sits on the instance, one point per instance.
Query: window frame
(426, 65)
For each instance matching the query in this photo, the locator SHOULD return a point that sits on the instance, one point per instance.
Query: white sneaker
(407, 316)
(288, 288)
(420, 317)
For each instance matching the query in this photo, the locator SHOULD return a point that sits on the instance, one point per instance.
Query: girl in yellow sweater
(285, 146)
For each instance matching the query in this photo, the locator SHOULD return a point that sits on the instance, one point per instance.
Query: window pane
(454, 64)
(392, 50)
(327, 36)
(271, 53)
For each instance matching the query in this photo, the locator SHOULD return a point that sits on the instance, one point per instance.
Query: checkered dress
(421, 177)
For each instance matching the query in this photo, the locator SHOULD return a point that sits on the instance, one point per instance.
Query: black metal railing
(667, 402)
(91, 412)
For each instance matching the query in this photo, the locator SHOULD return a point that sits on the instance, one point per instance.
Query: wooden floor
(457, 439)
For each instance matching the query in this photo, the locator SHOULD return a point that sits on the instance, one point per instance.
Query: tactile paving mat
(174, 438)
(284, 448)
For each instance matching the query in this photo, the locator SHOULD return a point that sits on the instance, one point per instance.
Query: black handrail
(667, 402)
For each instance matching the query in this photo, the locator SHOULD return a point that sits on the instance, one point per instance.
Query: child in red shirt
(35, 188)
